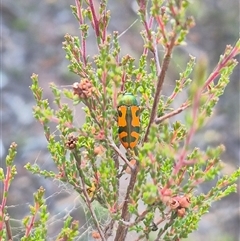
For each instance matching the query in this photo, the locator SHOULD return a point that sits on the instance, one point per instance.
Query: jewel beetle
(128, 120)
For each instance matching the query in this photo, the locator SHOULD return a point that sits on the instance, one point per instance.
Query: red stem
(161, 78)
(29, 227)
(223, 63)
(81, 21)
(162, 27)
(148, 26)
(6, 186)
(104, 32)
(191, 132)
(123, 80)
(95, 21)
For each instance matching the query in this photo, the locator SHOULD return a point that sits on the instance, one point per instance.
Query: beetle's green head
(127, 99)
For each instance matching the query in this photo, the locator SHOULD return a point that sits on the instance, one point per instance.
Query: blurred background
(31, 38)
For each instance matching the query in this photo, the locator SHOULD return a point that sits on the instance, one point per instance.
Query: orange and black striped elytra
(128, 120)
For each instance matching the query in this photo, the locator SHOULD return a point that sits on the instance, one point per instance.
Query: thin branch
(172, 113)
(83, 40)
(217, 71)
(190, 134)
(156, 57)
(162, 27)
(84, 191)
(223, 63)
(154, 44)
(109, 229)
(95, 20)
(88, 203)
(122, 229)
(8, 227)
(6, 185)
(164, 229)
(32, 220)
(117, 150)
(161, 78)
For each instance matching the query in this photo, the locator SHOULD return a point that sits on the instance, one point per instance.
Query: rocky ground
(31, 42)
